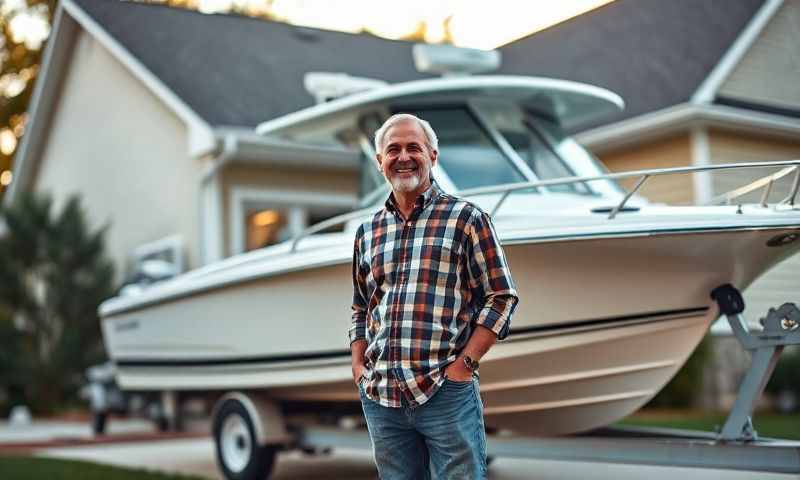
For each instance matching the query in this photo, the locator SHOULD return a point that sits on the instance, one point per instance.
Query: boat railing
(789, 166)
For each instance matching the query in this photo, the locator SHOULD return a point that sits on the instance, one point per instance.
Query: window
(261, 217)
(157, 260)
(266, 227)
(534, 140)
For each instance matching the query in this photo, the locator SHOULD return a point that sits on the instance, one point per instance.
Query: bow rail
(507, 189)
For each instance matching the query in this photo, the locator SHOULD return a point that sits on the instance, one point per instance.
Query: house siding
(769, 72)
(671, 152)
(782, 283)
(728, 147)
(114, 142)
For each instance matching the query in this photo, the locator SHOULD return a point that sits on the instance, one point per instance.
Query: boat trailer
(249, 429)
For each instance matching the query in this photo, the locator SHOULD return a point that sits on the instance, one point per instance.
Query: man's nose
(404, 154)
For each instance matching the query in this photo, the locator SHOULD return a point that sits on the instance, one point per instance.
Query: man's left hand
(458, 371)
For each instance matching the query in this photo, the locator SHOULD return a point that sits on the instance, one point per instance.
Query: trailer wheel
(239, 455)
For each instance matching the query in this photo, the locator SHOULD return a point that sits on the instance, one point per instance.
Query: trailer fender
(268, 421)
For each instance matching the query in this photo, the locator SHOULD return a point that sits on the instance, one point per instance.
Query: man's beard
(405, 184)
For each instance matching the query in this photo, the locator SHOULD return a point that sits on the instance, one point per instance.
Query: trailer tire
(239, 456)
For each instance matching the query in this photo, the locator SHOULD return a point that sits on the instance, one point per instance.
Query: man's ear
(434, 157)
(380, 162)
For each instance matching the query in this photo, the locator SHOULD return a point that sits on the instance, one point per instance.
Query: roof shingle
(240, 71)
(654, 53)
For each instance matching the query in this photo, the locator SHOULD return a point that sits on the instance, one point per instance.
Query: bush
(786, 377)
(53, 276)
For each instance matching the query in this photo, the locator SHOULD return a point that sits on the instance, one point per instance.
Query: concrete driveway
(196, 456)
(134, 444)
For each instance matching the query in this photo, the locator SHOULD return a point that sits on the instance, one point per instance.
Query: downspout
(210, 202)
(703, 182)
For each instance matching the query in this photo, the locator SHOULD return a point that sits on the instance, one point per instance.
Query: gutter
(682, 118)
(230, 147)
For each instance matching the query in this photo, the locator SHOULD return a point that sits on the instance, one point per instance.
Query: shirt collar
(423, 200)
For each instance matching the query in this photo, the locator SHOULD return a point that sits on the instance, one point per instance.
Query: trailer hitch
(781, 327)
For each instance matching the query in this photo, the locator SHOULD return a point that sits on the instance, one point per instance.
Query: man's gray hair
(380, 135)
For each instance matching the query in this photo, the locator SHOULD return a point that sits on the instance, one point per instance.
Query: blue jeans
(445, 434)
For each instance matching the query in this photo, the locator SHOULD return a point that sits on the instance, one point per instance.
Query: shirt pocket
(438, 262)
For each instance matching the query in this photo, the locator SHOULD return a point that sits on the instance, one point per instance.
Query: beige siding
(727, 147)
(782, 283)
(671, 152)
(112, 141)
(769, 72)
(314, 181)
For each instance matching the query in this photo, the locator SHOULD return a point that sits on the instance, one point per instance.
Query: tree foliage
(19, 64)
(53, 276)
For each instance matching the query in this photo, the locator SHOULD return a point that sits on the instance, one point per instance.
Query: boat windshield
(537, 142)
(466, 152)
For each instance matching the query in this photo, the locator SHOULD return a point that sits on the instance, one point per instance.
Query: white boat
(614, 291)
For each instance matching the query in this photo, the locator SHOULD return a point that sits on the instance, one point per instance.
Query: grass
(766, 424)
(33, 468)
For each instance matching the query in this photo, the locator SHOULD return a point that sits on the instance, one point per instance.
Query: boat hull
(602, 325)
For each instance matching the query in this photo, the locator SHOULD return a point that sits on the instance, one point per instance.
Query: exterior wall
(728, 147)
(670, 152)
(115, 144)
(782, 283)
(318, 182)
(769, 71)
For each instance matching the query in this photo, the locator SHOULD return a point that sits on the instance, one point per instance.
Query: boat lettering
(127, 325)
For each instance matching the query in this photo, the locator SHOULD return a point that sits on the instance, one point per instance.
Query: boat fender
(270, 428)
(729, 299)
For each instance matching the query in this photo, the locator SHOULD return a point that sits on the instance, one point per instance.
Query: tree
(53, 276)
(19, 65)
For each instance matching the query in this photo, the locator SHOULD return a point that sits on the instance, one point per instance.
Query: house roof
(239, 71)
(655, 54)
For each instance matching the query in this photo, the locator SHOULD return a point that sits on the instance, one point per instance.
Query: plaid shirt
(420, 286)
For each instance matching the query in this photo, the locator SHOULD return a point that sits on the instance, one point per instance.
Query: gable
(769, 73)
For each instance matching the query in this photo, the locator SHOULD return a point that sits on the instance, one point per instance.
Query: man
(432, 294)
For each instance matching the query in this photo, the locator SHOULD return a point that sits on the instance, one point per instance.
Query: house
(150, 113)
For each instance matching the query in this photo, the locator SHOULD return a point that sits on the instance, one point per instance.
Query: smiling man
(432, 294)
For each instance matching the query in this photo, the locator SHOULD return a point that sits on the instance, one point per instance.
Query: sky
(473, 23)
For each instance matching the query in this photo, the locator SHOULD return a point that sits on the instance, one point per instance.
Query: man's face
(406, 159)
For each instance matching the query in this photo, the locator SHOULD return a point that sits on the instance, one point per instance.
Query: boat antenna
(327, 86)
(449, 60)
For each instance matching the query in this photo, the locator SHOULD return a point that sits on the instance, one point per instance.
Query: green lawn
(33, 468)
(766, 424)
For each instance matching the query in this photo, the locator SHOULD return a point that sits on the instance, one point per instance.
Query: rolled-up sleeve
(490, 277)
(358, 326)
